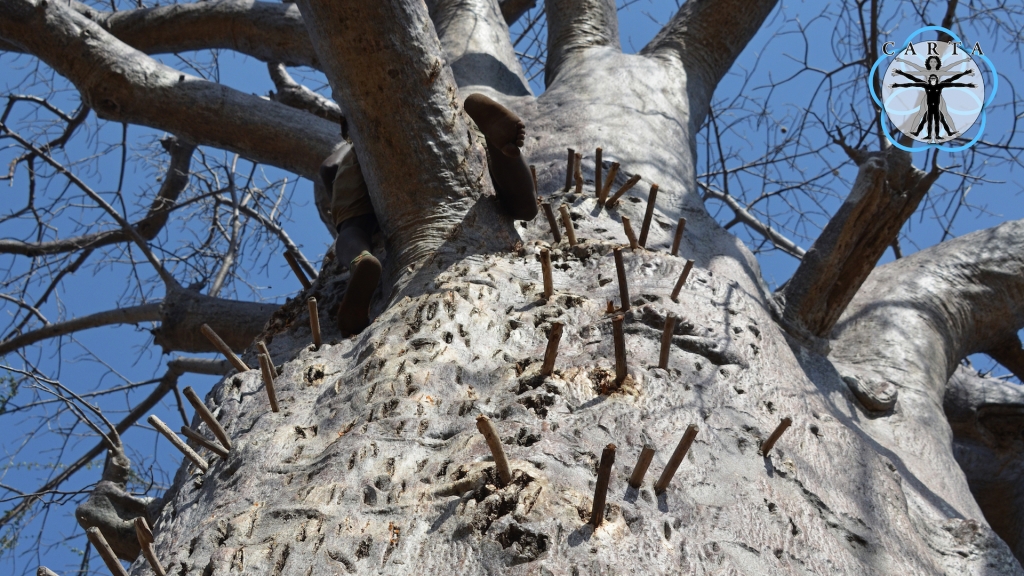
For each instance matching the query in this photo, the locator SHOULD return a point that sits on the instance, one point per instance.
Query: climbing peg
(646, 227)
(223, 348)
(551, 353)
(677, 458)
(268, 380)
(640, 470)
(666, 341)
(486, 427)
(196, 459)
(767, 445)
(679, 236)
(604, 475)
(682, 279)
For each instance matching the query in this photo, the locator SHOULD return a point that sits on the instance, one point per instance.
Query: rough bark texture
(374, 463)
(987, 417)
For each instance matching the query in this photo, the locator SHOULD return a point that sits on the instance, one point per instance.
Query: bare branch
(745, 217)
(268, 31)
(124, 85)
(130, 315)
(923, 313)
(291, 93)
(175, 182)
(576, 25)
(168, 381)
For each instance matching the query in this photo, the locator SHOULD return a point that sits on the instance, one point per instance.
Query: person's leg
(942, 119)
(352, 248)
(924, 121)
(505, 134)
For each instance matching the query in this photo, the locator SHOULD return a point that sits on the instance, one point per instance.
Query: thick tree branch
(987, 417)
(130, 315)
(175, 181)
(404, 111)
(1010, 355)
(708, 36)
(476, 41)
(909, 326)
(269, 31)
(576, 25)
(885, 194)
(920, 315)
(124, 85)
(180, 313)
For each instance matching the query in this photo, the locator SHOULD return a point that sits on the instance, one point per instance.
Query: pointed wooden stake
(552, 222)
(261, 348)
(620, 348)
(679, 236)
(294, 264)
(545, 270)
(223, 348)
(642, 463)
(766, 447)
(551, 353)
(630, 235)
(666, 341)
(682, 279)
(597, 172)
(105, 552)
(486, 427)
(533, 172)
(314, 322)
(676, 459)
(570, 168)
(145, 536)
(202, 441)
(579, 173)
(625, 188)
(620, 269)
(604, 476)
(206, 416)
(652, 197)
(268, 381)
(196, 459)
(608, 183)
(570, 232)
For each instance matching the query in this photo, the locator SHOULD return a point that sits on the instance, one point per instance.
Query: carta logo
(933, 91)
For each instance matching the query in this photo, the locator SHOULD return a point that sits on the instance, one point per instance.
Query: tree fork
(393, 58)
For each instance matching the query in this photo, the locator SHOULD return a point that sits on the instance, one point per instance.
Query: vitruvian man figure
(933, 110)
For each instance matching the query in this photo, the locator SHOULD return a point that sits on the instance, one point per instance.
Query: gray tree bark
(374, 462)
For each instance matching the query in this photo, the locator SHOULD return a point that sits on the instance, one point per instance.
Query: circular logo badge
(933, 91)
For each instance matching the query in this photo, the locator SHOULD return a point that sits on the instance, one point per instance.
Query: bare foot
(354, 310)
(502, 128)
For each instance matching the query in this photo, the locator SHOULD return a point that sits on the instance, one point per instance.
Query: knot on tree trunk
(112, 509)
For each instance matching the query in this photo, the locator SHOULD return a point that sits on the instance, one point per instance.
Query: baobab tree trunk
(374, 462)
